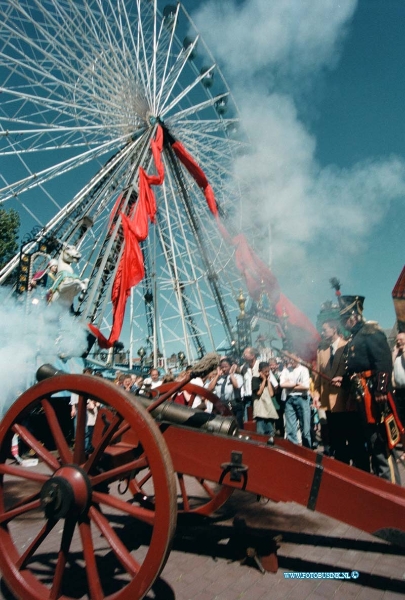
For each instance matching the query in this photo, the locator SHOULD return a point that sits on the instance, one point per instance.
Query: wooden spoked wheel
(194, 495)
(66, 529)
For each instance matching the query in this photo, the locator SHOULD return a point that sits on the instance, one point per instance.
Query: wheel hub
(67, 492)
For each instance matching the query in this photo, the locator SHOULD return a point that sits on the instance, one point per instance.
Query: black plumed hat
(350, 304)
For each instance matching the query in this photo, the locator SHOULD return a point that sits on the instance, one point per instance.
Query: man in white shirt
(250, 369)
(294, 379)
(153, 381)
(227, 384)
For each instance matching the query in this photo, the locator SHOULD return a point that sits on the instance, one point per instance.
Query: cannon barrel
(168, 411)
(183, 415)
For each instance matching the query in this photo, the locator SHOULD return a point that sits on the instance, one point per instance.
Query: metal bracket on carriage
(235, 468)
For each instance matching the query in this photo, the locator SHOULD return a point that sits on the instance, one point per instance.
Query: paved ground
(199, 566)
(203, 565)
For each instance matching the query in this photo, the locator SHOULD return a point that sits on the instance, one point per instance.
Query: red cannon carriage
(103, 522)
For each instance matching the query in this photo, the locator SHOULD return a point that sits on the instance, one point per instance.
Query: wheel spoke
(22, 473)
(93, 579)
(120, 432)
(25, 501)
(58, 437)
(208, 489)
(37, 541)
(20, 510)
(144, 479)
(36, 445)
(67, 535)
(119, 472)
(142, 514)
(78, 454)
(119, 549)
(103, 443)
(183, 490)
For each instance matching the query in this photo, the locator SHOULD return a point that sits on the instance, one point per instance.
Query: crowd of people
(350, 404)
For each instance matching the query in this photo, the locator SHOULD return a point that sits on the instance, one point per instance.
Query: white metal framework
(82, 86)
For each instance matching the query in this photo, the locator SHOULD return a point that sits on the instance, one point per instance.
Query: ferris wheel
(84, 88)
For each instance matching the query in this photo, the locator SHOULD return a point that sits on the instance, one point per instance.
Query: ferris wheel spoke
(34, 136)
(186, 91)
(142, 54)
(36, 179)
(50, 90)
(121, 19)
(196, 226)
(167, 55)
(58, 106)
(118, 56)
(85, 25)
(20, 36)
(192, 110)
(119, 162)
(211, 159)
(137, 66)
(188, 127)
(175, 74)
(192, 268)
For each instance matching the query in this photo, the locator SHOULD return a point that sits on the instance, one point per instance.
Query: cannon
(104, 520)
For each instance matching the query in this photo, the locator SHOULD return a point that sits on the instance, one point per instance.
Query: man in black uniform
(368, 375)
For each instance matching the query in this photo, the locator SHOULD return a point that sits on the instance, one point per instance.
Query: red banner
(198, 175)
(131, 268)
(257, 275)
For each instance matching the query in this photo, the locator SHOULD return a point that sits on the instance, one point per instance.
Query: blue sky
(325, 81)
(362, 116)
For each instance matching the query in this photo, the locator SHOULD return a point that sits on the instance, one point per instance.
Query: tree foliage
(9, 227)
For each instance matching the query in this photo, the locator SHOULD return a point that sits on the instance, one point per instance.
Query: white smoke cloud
(284, 38)
(32, 334)
(273, 55)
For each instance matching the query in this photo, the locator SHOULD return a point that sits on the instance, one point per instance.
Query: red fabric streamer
(257, 275)
(130, 272)
(259, 278)
(131, 268)
(198, 175)
(303, 335)
(255, 272)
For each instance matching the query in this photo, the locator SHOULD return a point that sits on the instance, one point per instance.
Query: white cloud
(288, 35)
(319, 216)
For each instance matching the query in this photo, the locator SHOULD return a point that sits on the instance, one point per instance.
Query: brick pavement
(201, 565)
(310, 542)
